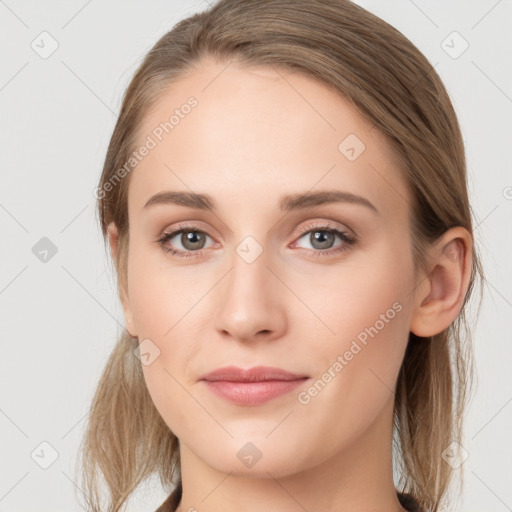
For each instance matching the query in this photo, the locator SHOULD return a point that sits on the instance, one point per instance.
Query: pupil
(191, 238)
(324, 238)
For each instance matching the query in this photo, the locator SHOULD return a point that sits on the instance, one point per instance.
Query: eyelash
(348, 240)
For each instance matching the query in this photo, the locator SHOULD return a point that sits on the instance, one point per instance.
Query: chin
(255, 458)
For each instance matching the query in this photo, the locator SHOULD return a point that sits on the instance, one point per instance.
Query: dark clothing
(409, 502)
(173, 500)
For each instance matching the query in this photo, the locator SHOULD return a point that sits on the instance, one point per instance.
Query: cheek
(161, 295)
(162, 314)
(354, 295)
(165, 304)
(366, 306)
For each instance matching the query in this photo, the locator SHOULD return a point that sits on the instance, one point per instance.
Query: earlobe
(128, 320)
(439, 297)
(113, 239)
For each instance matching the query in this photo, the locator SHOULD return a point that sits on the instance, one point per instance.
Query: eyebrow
(286, 203)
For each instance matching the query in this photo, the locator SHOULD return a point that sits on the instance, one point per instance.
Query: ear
(439, 297)
(113, 240)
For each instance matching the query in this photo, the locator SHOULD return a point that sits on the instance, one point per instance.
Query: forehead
(260, 130)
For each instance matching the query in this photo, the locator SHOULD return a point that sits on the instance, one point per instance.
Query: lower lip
(252, 393)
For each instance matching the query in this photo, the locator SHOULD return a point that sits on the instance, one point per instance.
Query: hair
(391, 83)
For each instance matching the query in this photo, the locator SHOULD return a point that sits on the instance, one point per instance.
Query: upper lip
(256, 374)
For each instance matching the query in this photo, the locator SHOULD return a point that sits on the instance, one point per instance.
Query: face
(319, 287)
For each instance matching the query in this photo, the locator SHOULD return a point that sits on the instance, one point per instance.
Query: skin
(258, 133)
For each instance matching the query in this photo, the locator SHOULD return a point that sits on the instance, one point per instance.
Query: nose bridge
(248, 303)
(248, 279)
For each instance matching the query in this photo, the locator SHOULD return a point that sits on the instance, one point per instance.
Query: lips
(253, 386)
(256, 374)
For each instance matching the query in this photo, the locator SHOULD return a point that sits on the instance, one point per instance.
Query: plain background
(59, 318)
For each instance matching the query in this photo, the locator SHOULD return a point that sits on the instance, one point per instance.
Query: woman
(284, 196)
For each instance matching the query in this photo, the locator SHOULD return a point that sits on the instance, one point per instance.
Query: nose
(251, 301)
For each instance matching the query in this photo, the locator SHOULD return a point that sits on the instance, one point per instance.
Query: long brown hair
(393, 85)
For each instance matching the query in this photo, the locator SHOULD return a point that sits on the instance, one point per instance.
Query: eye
(323, 238)
(191, 240)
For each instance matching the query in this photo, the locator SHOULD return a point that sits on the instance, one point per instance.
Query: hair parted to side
(392, 84)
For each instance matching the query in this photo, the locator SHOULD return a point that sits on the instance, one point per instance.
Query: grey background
(59, 318)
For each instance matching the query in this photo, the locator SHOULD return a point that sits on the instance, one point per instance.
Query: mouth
(252, 386)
